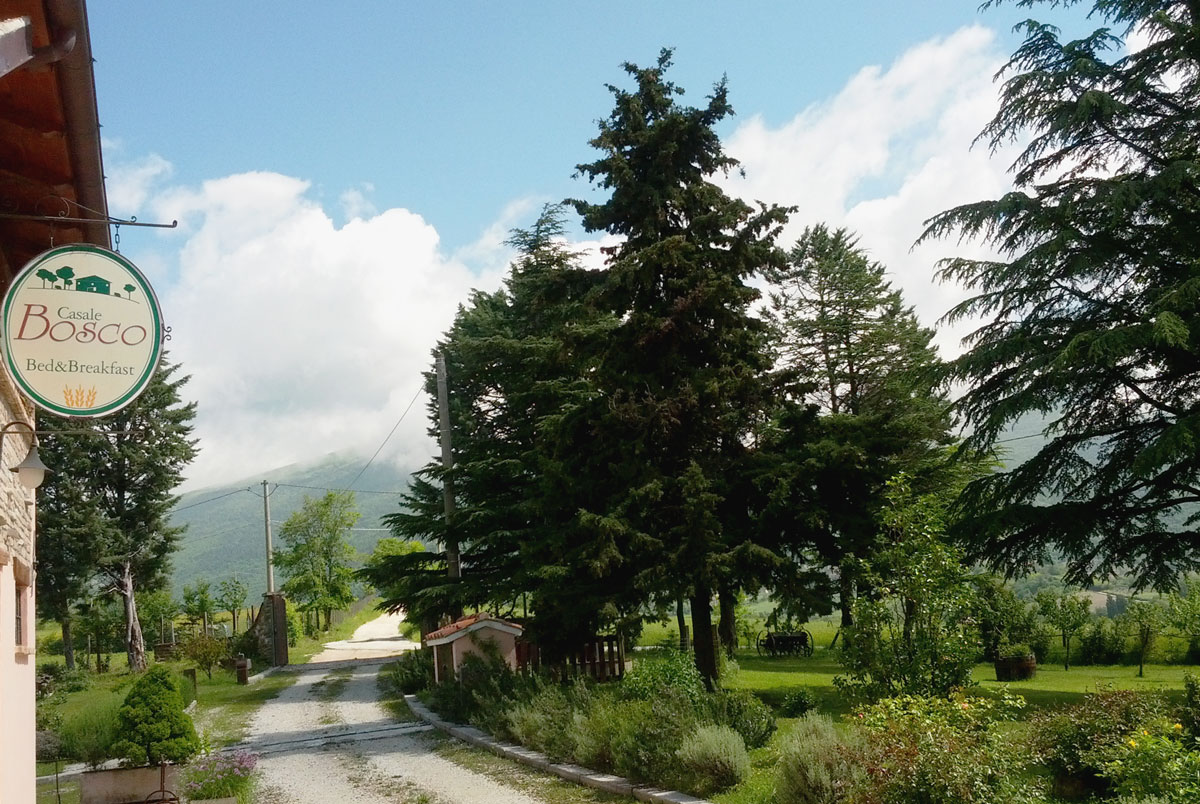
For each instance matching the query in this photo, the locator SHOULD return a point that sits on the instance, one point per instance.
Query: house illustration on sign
(93, 284)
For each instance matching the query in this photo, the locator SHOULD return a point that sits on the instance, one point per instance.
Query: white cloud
(129, 184)
(302, 338)
(355, 203)
(890, 150)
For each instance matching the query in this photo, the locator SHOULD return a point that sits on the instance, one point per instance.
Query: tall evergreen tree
(679, 378)
(859, 356)
(121, 476)
(514, 362)
(1092, 311)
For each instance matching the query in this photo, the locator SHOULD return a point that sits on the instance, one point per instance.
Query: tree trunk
(702, 636)
(328, 619)
(846, 594)
(135, 644)
(681, 620)
(68, 643)
(727, 622)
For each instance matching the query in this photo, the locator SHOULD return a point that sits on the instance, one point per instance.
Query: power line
(326, 488)
(389, 435)
(211, 499)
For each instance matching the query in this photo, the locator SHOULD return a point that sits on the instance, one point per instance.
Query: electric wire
(389, 436)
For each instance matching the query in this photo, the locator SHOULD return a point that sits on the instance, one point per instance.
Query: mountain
(225, 535)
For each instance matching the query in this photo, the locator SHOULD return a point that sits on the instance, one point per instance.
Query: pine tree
(679, 378)
(121, 476)
(858, 355)
(1092, 311)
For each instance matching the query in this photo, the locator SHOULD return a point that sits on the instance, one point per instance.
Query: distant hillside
(225, 535)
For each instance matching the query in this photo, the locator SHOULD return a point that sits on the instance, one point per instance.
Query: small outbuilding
(454, 642)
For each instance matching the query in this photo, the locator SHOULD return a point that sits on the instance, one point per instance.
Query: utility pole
(267, 528)
(453, 568)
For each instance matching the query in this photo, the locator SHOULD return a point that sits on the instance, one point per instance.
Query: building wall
(17, 743)
(505, 643)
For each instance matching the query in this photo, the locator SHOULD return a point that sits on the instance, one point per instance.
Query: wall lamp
(31, 471)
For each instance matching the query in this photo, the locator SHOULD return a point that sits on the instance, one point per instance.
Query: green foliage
(713, 758)
(413, 671)
(1154, 761)
(746, 714)
(914, 633)
(1072, 742)
(858, 354)
(668, 669)
(198, 603)
(1068, 613)
(1091, 312)
(1189, 711)
(1003, 618)
(206, 651)
(316, 553)
(118, 476)
(1101, 642)
(152, 724)
(941, 751)
(1145, 621)
(89, 733)
(818, 765)
(231, 596)
(547, 721)
(648, 735)
(223, 775)
(798, 703)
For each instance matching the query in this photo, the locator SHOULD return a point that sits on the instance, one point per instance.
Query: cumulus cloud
(130, 183)
(890, 150)
(302, 337)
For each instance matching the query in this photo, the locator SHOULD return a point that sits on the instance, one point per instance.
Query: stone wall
(270, 630)
(16, 581)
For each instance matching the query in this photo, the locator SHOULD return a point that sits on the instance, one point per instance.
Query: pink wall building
(467, 636)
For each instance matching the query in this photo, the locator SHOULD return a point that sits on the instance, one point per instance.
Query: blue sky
(344, 173)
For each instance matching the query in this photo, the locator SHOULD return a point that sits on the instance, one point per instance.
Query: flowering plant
(218, 775)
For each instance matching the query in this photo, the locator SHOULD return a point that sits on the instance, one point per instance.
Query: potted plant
(1015, 662)
(154, 730)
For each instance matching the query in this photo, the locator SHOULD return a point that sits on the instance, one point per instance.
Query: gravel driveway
(327, 739)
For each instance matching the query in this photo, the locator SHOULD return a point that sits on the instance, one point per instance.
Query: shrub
(47, 746)
(220, 776)
(816, 764)
(205, 651)
(595, 730)
(1153, 761)
(1189, 711)
(713, 758)
(668, 670)
(413, 671)
(152, 724)
(546, 721)
(798, 703)
(88, 734)
(1073, 741)
(743, 712)
(647, 735)
(940, 751)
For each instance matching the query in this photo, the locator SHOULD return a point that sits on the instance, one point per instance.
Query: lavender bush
(220, 775)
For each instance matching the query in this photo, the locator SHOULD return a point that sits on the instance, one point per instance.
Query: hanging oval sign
(82, 331)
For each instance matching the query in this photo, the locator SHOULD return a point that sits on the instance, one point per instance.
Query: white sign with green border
(82, 331)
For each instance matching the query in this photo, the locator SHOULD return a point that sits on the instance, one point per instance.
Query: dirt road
(327, 739)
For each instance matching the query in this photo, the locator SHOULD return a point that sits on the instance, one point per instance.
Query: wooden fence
(601, 658)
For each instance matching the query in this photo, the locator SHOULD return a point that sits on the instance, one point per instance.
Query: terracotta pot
(124, 785)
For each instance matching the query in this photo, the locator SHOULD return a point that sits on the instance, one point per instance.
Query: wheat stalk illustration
(80, 397)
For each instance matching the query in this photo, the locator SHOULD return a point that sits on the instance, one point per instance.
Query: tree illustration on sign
(46, 276)
(65, 274)
(129, 289)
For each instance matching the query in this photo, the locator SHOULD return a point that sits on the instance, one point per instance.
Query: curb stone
(572, 773)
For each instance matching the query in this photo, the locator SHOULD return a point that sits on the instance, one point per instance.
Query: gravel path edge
(571, 773)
